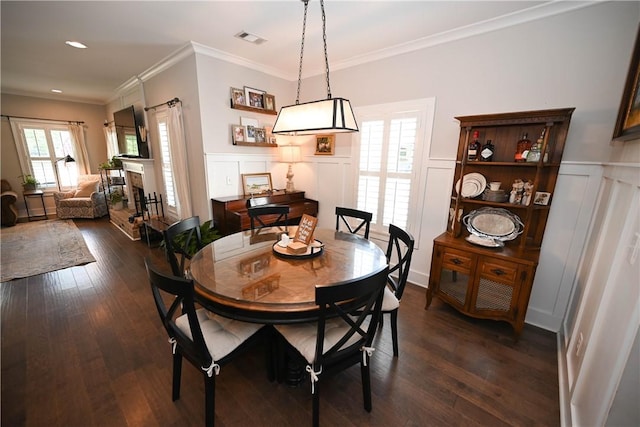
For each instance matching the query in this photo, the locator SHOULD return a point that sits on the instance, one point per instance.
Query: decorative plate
(495, 223)
(473, 185)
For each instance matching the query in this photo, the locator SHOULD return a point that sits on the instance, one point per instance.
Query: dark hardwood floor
(84, 347)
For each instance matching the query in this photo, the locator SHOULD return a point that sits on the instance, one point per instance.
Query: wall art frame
(628, 121)
(256, 183)
(325, 145)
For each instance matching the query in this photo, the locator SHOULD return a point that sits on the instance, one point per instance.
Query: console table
(230, 213)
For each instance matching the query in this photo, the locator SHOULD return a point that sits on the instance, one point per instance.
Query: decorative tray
(314, 249)
(494, 223)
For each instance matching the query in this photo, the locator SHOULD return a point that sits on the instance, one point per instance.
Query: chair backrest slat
(178, 252)
(268, 216)
(364, 220)
(354, 302)
(400, 251)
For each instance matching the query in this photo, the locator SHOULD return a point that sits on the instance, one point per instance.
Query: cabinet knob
(498, 272)
(456, 261)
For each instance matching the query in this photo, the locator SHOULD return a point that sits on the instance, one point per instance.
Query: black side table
(34, 193)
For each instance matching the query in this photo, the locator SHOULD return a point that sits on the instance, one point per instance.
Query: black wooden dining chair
(268, 216)
(342, 336)
(347, 215)
(181, 241)
(399, 252)
(206, 340)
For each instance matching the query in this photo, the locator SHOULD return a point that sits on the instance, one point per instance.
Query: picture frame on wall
(269, 102)
(250, 124)
(325, 144)
(259, 135)
(254, 97)
(238, 97)
(237, 134)
(628, 122)
(256, 183)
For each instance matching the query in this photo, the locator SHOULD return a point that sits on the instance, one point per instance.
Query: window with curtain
(388, 150)
(42, 149)
(165, 160)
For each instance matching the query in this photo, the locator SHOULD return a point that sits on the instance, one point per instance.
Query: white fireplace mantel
(144, 167)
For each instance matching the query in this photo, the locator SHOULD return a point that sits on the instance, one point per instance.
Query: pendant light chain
(324, 40)
(304, 26)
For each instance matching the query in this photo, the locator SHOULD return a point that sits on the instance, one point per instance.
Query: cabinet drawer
(498, 270)
(457, 260)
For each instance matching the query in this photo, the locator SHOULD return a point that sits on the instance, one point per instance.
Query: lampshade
(69, 159)
(289, 153)
(329, 115)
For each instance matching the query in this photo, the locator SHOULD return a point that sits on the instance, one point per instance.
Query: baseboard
(563, 383)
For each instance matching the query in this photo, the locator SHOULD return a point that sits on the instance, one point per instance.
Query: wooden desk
(230, 213)
(240, 277)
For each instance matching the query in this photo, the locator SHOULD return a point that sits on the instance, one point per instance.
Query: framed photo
(628, 122)
(250, 125)
(269, 102)
(237, 134)
(256, 183)
(259, 135)
(254, 97)
(325, 144)
(541, 198)
(238, 96)
(272, 140)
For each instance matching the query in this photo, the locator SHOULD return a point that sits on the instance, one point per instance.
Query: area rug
(32, 248)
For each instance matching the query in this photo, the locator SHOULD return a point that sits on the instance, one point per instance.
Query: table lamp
(290, 154)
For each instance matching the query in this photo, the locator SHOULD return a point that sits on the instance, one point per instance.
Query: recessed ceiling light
(75, 44)
(56, 91)
(251, 38)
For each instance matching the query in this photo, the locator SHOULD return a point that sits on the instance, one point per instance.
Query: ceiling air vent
(251, 38)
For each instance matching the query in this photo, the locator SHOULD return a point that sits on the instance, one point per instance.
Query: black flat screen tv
(127, 124)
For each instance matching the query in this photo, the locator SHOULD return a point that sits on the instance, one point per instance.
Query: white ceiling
(125, 38)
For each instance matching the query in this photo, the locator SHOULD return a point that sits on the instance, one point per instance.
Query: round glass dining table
(242, 276)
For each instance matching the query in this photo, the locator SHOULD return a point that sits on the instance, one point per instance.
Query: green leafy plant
(207, 233)
(29, 182)
(116, 196)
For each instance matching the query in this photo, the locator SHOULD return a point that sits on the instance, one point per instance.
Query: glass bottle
(536, 150)
(523, 147)
(474, 147)
(486, 154)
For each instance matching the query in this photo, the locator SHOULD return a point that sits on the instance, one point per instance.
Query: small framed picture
(269, 102)
(256, 183)
(259, 135)
(237, 134)
(250, 124)
(325, 144)
(251, 133)
(238, 96)
(541, 198)
(254, 97)
(272, 140)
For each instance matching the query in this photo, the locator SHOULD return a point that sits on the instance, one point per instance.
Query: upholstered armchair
(86, 201)
(9, 212)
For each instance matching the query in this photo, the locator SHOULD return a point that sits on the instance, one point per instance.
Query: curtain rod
(39, 118)
(170, 103)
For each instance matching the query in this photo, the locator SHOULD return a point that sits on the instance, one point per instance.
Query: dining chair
(206, 340)
(268, 216)
(182, 240)
(399, 252)
(348, 316)
(363, 219)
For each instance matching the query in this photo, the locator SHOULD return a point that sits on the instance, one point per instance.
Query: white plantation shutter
(165, 155)
(389, 140)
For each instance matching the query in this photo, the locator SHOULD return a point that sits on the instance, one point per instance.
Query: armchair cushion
(85, 188)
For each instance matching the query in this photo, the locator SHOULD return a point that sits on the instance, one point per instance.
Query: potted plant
(29, 182)
(116, 198)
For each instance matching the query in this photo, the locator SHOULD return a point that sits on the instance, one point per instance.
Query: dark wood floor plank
(84, 347)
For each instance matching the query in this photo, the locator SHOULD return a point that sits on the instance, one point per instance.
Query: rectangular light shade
(326, 116)
(289, 153)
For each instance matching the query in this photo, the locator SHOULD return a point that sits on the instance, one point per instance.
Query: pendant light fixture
(331, 115)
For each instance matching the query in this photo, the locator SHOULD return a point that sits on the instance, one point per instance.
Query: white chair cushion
(390, 302)
(221, 335)
(303, 336)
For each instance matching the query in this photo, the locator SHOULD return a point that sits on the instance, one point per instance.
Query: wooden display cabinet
(487, 282)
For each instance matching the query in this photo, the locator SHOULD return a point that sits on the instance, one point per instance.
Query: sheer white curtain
(82, 156)
(112, 141)
(179, 161)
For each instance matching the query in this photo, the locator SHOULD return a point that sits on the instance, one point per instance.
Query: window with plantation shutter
(165, 161)
(391, 139)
